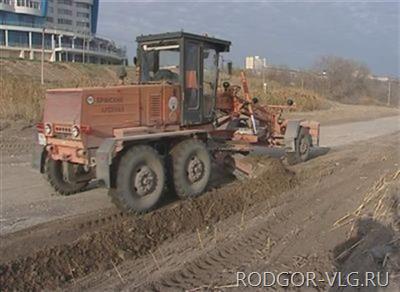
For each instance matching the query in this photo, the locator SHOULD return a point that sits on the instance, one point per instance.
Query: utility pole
(263, 77)
(42, 65)
(84, 47)
(389, 91)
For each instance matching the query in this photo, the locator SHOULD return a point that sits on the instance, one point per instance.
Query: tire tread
(115, 193)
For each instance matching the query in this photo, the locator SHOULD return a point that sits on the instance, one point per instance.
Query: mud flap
(314, 130)
(38, 157)
(104, 156)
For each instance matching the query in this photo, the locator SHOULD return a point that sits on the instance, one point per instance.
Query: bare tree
(346, 79)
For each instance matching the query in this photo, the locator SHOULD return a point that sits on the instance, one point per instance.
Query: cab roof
(222, 45)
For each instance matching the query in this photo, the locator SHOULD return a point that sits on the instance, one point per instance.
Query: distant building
(379, 78)
(69, 31)
(255, 63)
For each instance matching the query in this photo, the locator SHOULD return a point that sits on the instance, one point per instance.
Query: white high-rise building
(255, 63)
(69, 31)
(71, 15)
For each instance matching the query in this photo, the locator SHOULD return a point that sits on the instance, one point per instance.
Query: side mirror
(225, 85)
(135, 61)
(290, 102)
(229, 64)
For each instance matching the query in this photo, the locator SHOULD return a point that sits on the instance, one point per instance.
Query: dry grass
(20, 99)
(305, 100)
(378, 200)
(22, 94)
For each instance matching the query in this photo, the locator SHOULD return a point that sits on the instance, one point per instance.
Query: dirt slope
(282, 220)
(293, 232)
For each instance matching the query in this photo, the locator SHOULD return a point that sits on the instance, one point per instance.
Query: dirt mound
(137, 236)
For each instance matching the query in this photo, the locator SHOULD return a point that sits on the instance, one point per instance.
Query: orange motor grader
(163, 130)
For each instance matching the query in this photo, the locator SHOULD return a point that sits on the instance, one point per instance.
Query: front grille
(155, 107)
(62, 129)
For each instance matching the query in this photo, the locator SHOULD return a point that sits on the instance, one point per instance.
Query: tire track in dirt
(202, 271)
(213, 268)
(11, 148)
(238, 245)
(136, 236)
(228, 250)
(228, 256)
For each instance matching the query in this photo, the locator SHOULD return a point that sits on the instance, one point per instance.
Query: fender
(291, 133)
(104, 157)
(314, 130)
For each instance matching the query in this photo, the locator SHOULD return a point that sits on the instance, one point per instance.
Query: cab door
(192, 103)
(209, 64)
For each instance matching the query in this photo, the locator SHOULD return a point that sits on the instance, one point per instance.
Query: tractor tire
(54, 175)
(191, 168)
(140, 180)
(236, 124)
(303, 145)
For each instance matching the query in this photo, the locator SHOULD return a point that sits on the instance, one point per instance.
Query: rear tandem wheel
(191, 168)
(140, 180)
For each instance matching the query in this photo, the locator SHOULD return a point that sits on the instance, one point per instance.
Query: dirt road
(27, 200)
(285, 220)
(344, 134)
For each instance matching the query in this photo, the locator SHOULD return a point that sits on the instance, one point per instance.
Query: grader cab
(188, 60)
(163, 130)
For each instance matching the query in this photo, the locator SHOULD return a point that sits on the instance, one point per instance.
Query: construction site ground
(323, 215)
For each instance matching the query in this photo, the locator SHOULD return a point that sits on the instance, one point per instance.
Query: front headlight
(47, 129)
(75, 131)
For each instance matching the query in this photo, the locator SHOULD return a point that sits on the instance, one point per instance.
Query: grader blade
(244, 166)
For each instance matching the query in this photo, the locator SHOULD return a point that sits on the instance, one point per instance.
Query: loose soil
(136, 236)
(282, 220)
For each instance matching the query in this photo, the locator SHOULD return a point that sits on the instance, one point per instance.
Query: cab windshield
(160, 63)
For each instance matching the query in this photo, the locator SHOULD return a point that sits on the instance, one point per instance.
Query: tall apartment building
(68, 26)
(255, 63)
(77, 16)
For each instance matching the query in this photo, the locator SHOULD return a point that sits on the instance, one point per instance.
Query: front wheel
(140, 180)
(56, 175)
(303, 145)
(191, 168)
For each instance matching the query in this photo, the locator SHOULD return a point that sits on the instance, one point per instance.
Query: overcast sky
(286, 33)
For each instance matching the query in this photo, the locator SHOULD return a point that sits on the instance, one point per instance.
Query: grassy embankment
(22, 93)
